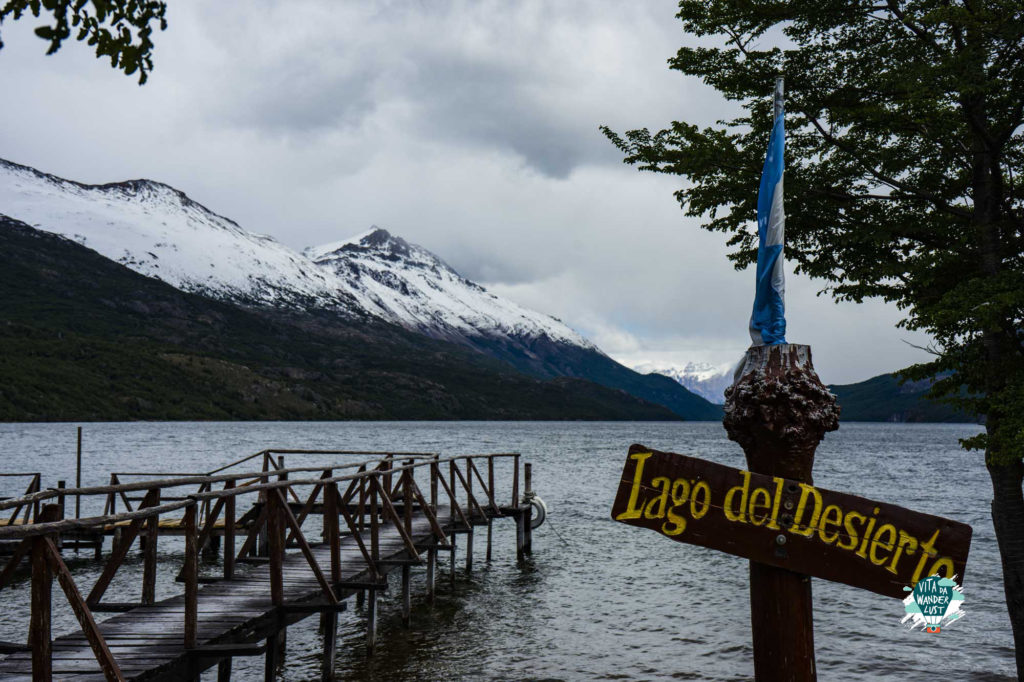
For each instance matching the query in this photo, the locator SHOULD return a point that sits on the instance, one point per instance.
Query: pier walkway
(369, 518)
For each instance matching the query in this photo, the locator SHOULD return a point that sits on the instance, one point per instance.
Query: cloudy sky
(468, 127)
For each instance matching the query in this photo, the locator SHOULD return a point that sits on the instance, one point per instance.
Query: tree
(904, 169)
(119, 29)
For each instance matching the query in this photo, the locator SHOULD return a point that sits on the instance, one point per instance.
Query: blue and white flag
(768, 321)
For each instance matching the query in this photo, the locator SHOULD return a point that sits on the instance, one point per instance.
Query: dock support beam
(451, 562)
(39, 625)
(371, 611)
(528, 512)
(778, 411)
(329, 624)
(406, 595)
(149, 554)
(520, 535)
(432, 552)
(431, 569)
(371, 621)
(275, 545)
(273, 659)
(490, 488)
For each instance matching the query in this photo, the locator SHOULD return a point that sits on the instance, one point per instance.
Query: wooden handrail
(364, 470)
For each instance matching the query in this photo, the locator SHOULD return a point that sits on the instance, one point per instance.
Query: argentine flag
(768, 321)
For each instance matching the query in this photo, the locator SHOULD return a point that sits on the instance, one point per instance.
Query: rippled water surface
(598, 600)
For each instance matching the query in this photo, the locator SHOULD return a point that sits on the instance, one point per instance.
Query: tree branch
(939, 203)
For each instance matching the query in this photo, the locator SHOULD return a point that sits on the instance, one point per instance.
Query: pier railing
(348, 498)
(18, 515)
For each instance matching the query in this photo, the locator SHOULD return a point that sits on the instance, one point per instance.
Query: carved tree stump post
(778, 411)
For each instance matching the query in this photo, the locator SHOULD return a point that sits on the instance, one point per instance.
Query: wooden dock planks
(148, 642)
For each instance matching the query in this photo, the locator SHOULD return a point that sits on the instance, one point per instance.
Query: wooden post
(191, 578)
(490, 488)
(361, 525)
(224, 670)
(371, 622)
(229, 539)
(281, 496)
(42, 590)
(272, 660)
(469, 535)
(451, 487)
(778, 411)
(149, 553)
(78, 475)
(406, 568)
(275, 548)
(329, 623)
(61, 485)
(432, 552)
(331, 525)
(329, 619)
(60, 504)
(451, 559)
(528, 512)
(261, 536)
(371, 614)
(431, 573)
(515, 481)
(386, 466)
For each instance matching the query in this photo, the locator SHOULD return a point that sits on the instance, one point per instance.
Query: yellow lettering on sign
(871, 537)
(773, 522)
(927, 550)
(676, 524)
(801, 507)
(944, 563)
(851, 532)
(632, 511)
(703, 490)
(756, 506)
(907, 541)
(832, 516)
(657, 505)
(863, 551)
(887, 529)
(742, 488)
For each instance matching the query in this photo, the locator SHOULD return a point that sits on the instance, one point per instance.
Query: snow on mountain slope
(411, 286)
(706, 380)
(158, 231)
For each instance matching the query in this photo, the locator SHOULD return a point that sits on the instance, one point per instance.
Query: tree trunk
(1008, 519)
(1002, 458)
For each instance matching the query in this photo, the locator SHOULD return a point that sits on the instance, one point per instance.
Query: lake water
(599, 600)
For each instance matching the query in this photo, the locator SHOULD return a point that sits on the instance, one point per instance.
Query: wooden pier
(386, 512)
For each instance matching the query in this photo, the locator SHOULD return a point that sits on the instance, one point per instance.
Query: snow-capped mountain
(706, 380)
(408, 285)
(160, 232)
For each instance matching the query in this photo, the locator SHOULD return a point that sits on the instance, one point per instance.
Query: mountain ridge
(706, 380)
(85, 338)
(158, 231)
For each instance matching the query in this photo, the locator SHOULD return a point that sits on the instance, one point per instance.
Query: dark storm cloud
(469, 126)
(507, 106)
(513, 78)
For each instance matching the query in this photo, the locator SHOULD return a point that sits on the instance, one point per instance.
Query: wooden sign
(780, 522)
